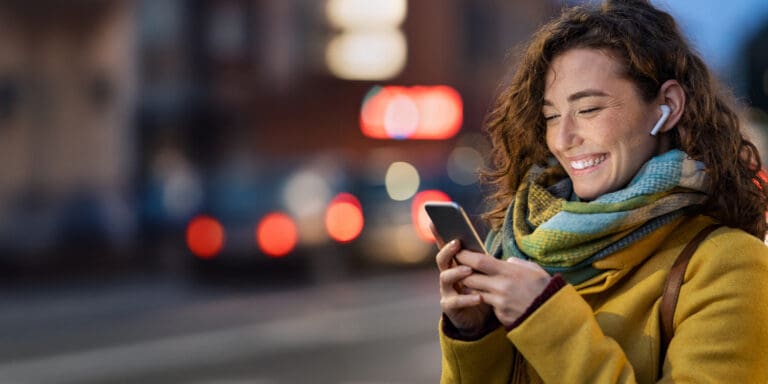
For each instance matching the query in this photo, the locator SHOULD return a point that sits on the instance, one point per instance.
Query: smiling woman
(613, 147)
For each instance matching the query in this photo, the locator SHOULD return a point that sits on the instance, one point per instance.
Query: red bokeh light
(205, 237)
(419, 215)
(763, 175)
(276, 234)
(419, 112)
(344, 218)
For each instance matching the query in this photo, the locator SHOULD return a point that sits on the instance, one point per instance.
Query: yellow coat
(607, 330)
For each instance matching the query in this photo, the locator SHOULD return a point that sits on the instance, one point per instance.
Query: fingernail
(465, 269)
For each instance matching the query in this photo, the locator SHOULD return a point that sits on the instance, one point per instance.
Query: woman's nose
(566, 134)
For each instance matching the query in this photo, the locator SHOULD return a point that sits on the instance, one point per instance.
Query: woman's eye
(589, 110)
(550, 117)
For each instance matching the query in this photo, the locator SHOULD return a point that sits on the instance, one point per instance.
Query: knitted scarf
(549, 225)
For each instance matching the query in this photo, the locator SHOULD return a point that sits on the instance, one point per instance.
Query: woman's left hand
(510, 286)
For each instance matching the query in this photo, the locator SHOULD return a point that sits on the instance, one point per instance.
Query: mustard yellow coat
(607, 330)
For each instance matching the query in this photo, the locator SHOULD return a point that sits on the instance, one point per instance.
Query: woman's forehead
(582, 68)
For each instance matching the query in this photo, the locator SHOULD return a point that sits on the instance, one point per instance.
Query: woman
(613, 147)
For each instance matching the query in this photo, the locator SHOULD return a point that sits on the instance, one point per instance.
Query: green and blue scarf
(548, 224)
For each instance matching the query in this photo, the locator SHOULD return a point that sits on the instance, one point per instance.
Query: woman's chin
(587, 194)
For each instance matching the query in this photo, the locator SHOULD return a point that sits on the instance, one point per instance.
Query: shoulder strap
(672, 289)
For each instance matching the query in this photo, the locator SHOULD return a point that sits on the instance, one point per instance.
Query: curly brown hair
(652, 50)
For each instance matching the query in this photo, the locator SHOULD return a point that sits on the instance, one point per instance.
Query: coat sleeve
(487, 360)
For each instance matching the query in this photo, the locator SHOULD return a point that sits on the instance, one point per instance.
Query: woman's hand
(508, 286)
(463, 307)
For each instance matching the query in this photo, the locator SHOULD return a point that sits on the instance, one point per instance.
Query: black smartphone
(451, 222)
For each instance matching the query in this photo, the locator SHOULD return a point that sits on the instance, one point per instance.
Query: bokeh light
(344, 218)
(419, 215)
(298, 201)
(374, 109)
(308, 208)
(276, 234)
(366, 14)
(205, 236)
(419, 112)
(370, 45)
(441, 111)
(409, 247)
(401, 181)
(401, 117)
(181, 185)
(367, 55)
(463, 165)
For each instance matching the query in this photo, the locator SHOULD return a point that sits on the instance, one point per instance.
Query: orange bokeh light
(419, 112)
(276, 234)
(205, 237)
(344, 218)
(419, 215)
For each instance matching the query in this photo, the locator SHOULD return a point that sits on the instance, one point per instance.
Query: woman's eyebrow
(586, 93)
(581, 95)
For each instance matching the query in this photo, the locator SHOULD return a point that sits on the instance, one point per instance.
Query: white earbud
(665, 111)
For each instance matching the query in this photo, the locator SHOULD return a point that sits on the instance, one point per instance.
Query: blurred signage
(418, 112)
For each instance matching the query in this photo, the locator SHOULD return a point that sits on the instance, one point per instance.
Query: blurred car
(247, 214)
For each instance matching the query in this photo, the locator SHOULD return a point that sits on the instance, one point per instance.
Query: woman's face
(597, 124)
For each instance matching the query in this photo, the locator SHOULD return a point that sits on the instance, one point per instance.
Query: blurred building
(67, 85)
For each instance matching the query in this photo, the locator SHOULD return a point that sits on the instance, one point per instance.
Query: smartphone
(451, 222)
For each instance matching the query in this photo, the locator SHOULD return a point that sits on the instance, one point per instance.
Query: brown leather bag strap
(672, 289)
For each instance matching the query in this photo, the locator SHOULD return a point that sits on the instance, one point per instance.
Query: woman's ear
(672, 95)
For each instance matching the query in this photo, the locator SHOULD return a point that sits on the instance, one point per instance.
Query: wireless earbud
(665, 111)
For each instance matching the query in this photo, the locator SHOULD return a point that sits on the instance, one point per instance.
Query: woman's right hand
(464, 308)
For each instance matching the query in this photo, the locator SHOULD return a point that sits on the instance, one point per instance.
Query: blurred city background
(225, 191)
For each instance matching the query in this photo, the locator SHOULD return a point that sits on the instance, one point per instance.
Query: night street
(234, 191)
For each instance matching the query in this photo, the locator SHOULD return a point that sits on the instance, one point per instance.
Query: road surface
(155, 329)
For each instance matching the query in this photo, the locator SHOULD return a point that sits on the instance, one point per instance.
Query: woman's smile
(587, 164)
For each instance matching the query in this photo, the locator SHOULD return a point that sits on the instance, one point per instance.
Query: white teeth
(583, 164)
